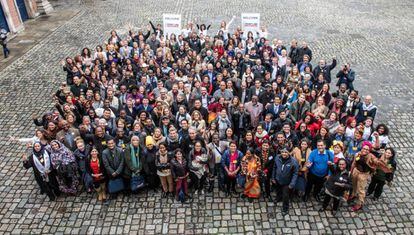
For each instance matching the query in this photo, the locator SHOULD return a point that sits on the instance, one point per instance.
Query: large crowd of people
(232, 110)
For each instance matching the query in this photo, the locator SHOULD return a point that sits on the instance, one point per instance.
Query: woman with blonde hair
(198, 122)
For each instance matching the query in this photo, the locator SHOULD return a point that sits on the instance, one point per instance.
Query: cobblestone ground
(375, 36)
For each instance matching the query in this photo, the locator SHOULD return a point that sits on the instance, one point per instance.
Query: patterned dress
(64, 162)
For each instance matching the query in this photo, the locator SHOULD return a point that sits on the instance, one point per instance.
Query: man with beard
(285, 174)
(68, 135)
(99, 139)
(188, 143)
(324, 69)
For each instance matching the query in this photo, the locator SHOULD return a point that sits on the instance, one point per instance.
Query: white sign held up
(172, 24)
(250, 22)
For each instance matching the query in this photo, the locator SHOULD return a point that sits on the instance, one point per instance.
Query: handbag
(137, 182)
(241, 180)
(116, 185)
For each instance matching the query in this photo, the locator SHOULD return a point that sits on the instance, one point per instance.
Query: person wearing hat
(284, 176)
(364, 163)
(148, 161)
(338, 149)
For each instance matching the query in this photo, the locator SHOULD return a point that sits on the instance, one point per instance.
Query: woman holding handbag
(95, 168)
(113, 159)
(134, 164)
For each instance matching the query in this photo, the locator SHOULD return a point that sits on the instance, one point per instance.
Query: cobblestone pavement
(375, 36)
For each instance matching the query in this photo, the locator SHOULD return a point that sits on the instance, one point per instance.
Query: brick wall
(31, 7)
(14, 14)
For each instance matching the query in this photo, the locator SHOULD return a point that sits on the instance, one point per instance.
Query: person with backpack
(318, 169)
(3, 42)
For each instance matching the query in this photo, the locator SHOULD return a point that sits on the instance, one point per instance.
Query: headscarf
(44, 168)
(367, 143)
(62, 155)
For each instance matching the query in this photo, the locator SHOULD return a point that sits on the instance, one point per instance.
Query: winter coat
(285, 173)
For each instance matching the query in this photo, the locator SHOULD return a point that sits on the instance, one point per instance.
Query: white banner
(172, 24)
(250, 22)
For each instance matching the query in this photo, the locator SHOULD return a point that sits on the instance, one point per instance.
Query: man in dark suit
(113, 159)
(204, 97)
(240, 121)
(257, 89)
(267, 96)
(268, 124)
(275, 108)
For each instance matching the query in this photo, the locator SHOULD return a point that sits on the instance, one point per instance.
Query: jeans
(181, 183)
(6, 50)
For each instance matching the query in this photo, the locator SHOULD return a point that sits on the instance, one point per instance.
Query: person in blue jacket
(230, 162)
(284, 176)
(317, 164)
